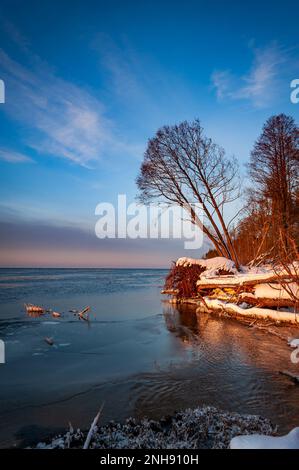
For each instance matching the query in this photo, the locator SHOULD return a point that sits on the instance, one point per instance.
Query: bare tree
(182, 166)
(254, 232)
(286, 266)
(274, 169)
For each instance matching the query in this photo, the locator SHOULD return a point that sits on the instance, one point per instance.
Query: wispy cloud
(129, 76)
(14, 157)
(261, 83)
(222, 82)
(64, 120)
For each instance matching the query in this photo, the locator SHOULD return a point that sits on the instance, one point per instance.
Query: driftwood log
(264, 302)
(233, 310)
(232, 281)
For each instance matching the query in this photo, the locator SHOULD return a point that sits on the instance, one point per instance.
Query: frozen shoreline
(200, 428)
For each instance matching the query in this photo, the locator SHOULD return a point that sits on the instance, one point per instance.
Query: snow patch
(212, 266)
(257, 441)
(265, 313)
(274, 291)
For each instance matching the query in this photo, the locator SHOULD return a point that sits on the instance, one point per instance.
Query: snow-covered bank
(265, 292)
(253, 312)
(211, 266)
(200, 428)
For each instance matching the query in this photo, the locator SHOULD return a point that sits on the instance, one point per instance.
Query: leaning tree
(182, 166)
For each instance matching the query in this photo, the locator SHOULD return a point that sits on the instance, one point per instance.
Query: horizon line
(82, 267)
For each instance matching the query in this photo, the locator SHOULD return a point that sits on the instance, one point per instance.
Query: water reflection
(233, 367)
(140, 359)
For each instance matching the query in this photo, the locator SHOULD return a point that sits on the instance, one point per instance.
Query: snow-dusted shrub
(182, 280)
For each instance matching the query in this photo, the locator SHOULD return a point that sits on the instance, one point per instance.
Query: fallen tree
(252, 312)
(216, 285)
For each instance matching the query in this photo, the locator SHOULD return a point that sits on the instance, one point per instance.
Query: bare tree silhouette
(182, 166)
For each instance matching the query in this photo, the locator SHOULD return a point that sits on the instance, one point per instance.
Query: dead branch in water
(50, 341)
(82, 313)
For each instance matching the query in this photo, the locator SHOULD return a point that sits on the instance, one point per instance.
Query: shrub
(183, 280)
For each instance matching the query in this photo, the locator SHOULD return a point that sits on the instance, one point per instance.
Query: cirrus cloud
(261, 84)
(62, 119)
(11, 156)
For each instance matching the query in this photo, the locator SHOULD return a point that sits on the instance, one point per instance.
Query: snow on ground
(212, 265)
(239, 279)
(274, 291)
(256, 441)
(256, 312)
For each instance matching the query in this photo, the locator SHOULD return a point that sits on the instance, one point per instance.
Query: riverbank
(199, 428)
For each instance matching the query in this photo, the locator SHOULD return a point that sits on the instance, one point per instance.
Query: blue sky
(88, 82)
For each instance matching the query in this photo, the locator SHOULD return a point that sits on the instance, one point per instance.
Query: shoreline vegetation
(200, 428)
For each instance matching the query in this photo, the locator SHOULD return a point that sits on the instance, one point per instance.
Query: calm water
(138, 353)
